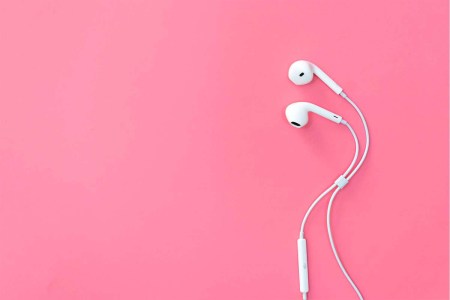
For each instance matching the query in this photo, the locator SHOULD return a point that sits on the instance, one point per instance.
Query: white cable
(311, 207)
(366, 130)
(333, 247)
(355, 137)
(338, 183)
(330, 204)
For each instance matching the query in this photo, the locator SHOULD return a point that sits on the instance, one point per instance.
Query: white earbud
(302, 72)
(297, 113)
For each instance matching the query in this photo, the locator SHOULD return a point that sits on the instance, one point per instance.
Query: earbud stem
(327, 80)
(324, 113)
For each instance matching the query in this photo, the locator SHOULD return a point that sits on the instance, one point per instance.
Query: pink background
(145, 153)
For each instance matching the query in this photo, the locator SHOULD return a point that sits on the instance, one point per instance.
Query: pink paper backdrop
(145, 154)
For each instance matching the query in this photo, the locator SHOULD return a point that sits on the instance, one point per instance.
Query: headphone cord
(352, 164)
(338, 187)
(366, 131)
(334, 185)
(333, 247)
(330, 204)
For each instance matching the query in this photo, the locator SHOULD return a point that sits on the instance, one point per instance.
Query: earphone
(297, 116)
(302, 72)
(297, 113)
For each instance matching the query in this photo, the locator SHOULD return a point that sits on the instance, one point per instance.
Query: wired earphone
(302, 72)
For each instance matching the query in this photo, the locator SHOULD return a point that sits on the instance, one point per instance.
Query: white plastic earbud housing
(297, 113)
(302, 72)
